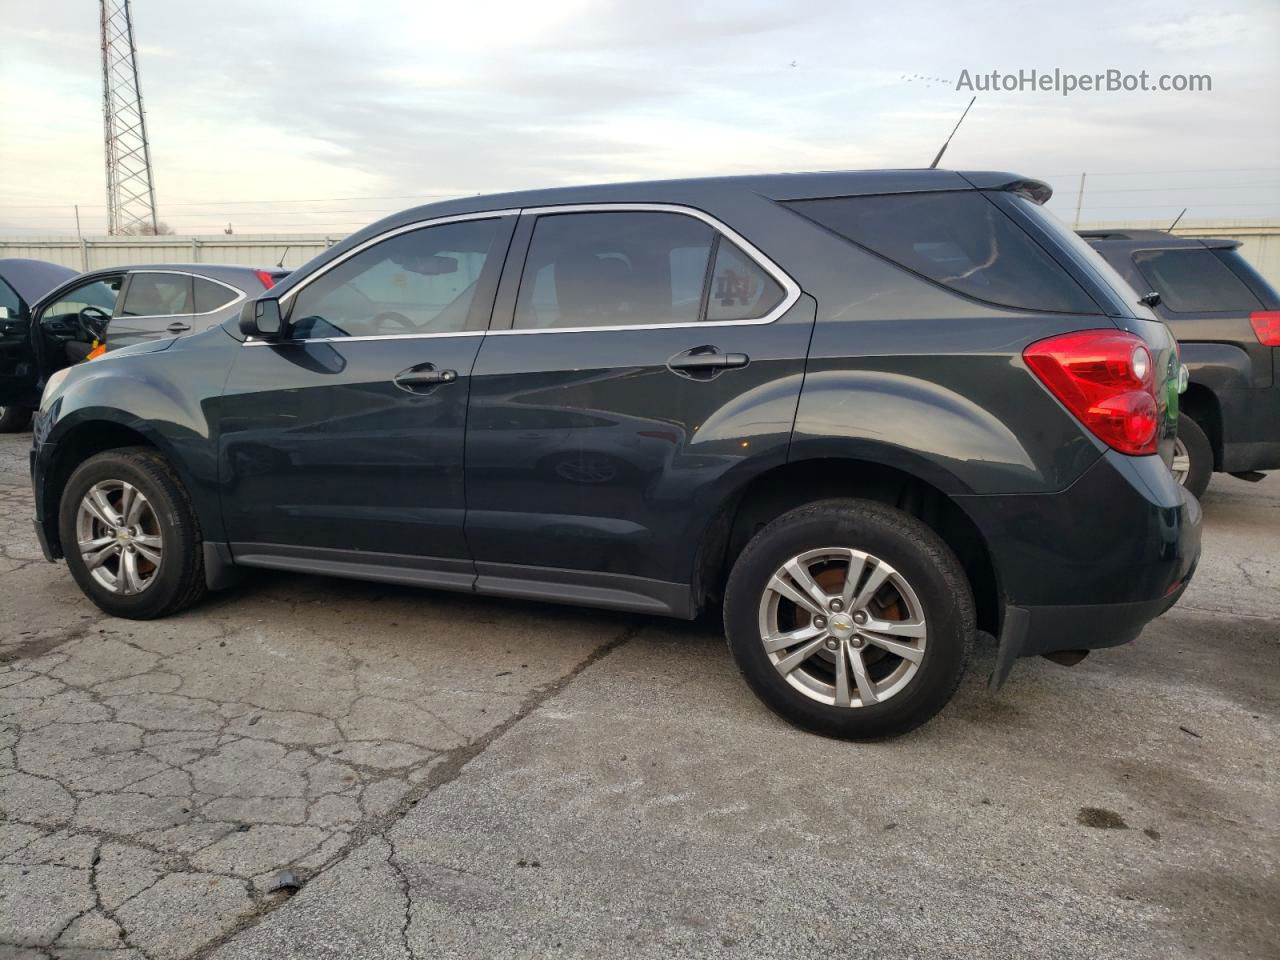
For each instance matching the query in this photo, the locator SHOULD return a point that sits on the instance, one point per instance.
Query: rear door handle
(178, 327)
(705, 361)
(425, 375)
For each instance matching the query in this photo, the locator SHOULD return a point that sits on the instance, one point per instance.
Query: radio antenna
(1176, 219)
(936, 159)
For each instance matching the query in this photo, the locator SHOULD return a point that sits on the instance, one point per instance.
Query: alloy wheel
(118, 534)
(1181, 465)
(842, 627)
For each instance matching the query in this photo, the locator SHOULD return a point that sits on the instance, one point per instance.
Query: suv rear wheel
(850, 618)
(1192, 457)
(130, 536)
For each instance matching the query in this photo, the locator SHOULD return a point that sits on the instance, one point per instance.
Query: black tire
(906, 544)
(14, 419)
(179, 580)
(1199, 452)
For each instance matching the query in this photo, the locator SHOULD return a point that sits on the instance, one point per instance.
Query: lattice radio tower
(131, 192)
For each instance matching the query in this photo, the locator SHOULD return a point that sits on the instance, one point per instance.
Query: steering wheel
(92, 322)
(399, 319)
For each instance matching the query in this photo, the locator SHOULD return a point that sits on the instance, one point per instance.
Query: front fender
(104, 402)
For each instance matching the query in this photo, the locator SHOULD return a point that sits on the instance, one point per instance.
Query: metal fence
(1260, 244)
(92, 253)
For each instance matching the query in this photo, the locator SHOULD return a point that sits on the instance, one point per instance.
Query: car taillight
(1266, 327)
(1106, 379)
(267, 279)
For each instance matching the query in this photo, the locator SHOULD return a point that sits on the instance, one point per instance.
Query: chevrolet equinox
(861, 415)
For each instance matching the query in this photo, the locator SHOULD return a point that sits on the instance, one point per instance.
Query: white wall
(95, 252)
(1260, 245)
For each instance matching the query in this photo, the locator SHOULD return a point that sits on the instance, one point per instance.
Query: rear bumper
(1092, 565)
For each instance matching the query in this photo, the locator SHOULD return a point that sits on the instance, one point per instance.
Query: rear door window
(637, 268)
(959, 239)
(209, 296)
(630, 268)
(157, 295)
(1194, 281)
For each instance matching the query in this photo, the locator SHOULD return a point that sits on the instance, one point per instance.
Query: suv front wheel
(850, 618)
(130, 536)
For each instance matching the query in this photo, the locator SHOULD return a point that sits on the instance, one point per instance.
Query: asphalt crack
(444, 769)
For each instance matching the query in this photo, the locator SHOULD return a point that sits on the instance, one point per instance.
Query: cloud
(297, 100)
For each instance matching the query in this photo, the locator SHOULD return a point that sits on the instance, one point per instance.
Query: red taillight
(1106, 378)
(1266, 327)
(267, 279)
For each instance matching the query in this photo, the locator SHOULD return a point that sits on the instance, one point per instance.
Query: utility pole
(1079, 200)
(84, 252)
(131, 192)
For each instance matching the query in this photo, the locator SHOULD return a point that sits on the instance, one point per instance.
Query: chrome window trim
(239, 295)
(252, 342)
(791, 290)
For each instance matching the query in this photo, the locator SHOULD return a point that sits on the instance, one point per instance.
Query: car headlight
(52, 384)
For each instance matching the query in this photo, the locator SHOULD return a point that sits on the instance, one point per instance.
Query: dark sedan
(54, 317)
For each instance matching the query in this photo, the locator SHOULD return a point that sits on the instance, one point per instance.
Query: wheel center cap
(122, 536)
(841, 624)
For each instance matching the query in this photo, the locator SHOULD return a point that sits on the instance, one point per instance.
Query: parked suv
(87, 314)
(1227, 319)
(861, 414)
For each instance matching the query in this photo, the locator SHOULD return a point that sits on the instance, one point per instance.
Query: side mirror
(261, 318)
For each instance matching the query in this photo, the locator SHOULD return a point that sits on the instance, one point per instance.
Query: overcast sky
(250, 104)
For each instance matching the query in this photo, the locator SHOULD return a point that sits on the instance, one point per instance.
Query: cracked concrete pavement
(445, 776)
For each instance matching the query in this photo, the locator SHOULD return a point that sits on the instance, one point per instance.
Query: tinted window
(1194, 281)
(740, 289)
(157, 295)
(959, 239)
(614, 269)
(100, 293)
(211, 296)
(419, 282)
(1250, 277)
(9, 303)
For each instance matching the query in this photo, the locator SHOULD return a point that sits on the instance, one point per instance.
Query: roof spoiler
(1037, 191)
(1142, 235)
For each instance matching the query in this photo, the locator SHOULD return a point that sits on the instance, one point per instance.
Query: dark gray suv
(1227, 319)
(862, 415)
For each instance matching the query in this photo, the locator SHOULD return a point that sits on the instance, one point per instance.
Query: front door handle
(423, 377)
(178, 327)
(705, 362)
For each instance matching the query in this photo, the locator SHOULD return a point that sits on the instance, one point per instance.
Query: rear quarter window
(209, 296)
(958, 239)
